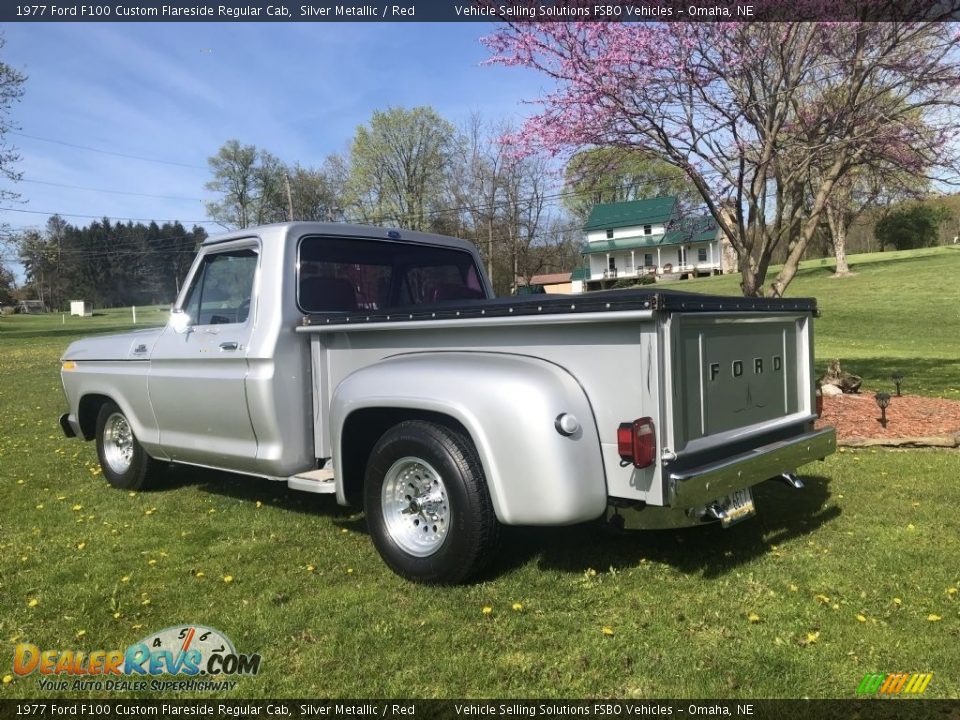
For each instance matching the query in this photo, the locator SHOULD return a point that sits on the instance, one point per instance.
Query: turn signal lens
(637, 442)
(68, 365)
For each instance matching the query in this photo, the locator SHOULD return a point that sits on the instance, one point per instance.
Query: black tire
(437, 471)
(124, 462)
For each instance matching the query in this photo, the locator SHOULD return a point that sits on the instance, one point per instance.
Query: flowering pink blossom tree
(764, 118)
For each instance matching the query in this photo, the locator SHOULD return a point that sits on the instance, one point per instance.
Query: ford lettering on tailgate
(736, 372)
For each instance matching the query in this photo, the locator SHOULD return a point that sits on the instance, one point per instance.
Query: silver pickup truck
(376, 365)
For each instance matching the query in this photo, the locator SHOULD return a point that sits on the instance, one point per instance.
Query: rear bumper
(68, 426)
(706, 483)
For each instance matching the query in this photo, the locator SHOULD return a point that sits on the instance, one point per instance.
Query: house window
(609, 233)
(612, 263)
(648, 259)
(648, 229)
(701, 254)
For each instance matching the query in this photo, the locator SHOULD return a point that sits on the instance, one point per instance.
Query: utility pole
(286, 180)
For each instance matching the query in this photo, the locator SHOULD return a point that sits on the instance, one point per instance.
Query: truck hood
(136, 345)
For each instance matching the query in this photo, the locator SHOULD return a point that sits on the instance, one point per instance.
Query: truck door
(197, 373)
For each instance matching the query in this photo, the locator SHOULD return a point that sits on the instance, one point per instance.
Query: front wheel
(124, 462)
(428, 508)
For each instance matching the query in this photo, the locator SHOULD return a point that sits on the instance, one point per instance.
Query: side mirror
(179, 320)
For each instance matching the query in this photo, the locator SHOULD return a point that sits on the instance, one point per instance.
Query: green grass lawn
(858, 573)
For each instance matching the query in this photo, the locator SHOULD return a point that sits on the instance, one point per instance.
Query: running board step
(315, 481)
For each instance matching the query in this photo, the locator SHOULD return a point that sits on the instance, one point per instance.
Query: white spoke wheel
(117, 443)
(124, 462)
(428, 508)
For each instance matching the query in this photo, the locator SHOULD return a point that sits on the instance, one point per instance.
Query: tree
(613, 174)
(7, 286)
(749, 112)
(398, 165)
(913, 227)
(234, 169)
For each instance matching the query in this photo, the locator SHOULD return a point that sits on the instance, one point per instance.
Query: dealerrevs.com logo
(200, 658)
(894, 684)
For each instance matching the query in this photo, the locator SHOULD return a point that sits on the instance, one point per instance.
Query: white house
(648, 237)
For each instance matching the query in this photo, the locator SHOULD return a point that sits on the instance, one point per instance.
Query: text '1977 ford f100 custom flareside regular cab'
(376, 365)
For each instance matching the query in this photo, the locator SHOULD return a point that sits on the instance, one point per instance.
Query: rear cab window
(353, 274)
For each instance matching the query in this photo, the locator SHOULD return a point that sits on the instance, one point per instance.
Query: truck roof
(289, 230)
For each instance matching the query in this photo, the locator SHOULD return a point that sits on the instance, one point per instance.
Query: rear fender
(509, 405)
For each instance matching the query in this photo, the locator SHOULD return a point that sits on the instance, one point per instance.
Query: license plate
(739, 506)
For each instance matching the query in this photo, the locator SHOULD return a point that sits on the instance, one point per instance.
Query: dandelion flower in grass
(80, 633)
(310, 568)
(199, 574)
(116, 616)
(259, 504)
(145, 601)
(349, 571)
(81, 546)
(823, 599)
(77, 508)
(753, 617)
(898, 602)
(607, 631)
(861, 617)
(932, 617)
(228, 578)
(517, 607)
(125, 579)
(7, 679)
(40, 506)
(151, 561)
(487, 610)
(33, 602)
(811, 638)
(952, 592)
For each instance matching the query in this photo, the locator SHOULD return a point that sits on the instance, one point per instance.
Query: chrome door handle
(229, 346)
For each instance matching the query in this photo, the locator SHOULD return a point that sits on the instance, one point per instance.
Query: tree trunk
(838, 236)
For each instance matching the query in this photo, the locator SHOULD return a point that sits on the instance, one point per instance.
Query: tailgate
(732, 375)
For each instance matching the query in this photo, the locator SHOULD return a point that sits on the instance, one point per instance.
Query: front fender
(509, 405)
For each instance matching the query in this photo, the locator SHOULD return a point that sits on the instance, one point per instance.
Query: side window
(222, 288)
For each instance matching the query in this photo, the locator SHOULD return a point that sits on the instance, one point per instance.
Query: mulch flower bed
(910, 417)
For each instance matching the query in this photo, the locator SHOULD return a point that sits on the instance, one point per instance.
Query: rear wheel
(428, 508)
(124, 462)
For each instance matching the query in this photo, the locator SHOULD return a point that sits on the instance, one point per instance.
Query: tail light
(637, 442)
(819, 398)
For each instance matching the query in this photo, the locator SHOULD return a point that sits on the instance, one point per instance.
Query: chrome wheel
(415, 507)
(118, 443)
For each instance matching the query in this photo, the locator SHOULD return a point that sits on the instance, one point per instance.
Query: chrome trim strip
(706, 483)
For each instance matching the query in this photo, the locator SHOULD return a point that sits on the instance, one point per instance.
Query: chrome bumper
(703, 484)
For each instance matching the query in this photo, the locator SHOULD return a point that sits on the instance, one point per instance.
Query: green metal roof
(686, 231)
(652, 211)
(580, 273)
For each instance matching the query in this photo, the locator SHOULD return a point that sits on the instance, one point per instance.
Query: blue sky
(177, 92)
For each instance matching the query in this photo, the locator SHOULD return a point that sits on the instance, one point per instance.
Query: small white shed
(81, 308)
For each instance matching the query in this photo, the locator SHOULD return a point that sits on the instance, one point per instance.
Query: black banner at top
(478, 10)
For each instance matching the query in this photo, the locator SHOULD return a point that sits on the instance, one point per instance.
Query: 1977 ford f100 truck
(377, 365)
